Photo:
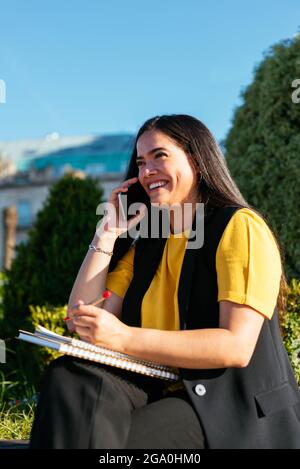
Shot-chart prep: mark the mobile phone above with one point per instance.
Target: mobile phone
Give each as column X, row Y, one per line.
column 134, row 194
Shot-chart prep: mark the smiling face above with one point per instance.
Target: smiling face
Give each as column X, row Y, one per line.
column 165, row 171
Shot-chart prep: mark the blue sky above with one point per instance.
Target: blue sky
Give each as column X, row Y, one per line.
column 94, row 66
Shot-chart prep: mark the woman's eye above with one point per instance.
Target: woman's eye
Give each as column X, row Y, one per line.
column 140, row 163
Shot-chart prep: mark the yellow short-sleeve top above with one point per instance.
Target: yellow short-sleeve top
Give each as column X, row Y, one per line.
column 248, row 269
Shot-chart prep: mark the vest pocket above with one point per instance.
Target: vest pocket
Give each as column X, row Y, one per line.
column 276, row 399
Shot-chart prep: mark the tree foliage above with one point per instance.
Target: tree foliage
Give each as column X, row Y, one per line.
column 46, row 265
column 263, row 146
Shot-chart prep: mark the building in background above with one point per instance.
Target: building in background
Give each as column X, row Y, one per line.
column 28, row 168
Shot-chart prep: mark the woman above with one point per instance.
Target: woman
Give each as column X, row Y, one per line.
column 210, row 312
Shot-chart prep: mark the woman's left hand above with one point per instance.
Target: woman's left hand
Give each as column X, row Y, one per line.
column 99, row 327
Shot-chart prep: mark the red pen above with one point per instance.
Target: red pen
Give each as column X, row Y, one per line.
column 105, row 295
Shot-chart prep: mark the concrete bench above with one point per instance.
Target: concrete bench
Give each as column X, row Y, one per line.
column 14, row 444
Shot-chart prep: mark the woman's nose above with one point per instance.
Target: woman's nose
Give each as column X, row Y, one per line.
column 150, row 170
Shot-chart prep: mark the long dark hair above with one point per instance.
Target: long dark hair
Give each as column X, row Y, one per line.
column 216, row 187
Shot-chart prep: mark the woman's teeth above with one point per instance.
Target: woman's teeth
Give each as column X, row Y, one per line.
column 154, row 185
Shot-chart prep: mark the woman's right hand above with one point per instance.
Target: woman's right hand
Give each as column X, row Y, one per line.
column 112, row 224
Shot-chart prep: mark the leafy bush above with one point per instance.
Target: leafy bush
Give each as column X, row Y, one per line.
column 290, row 324
column 16, row 421
column 53, row 319
column 26, row 363
column 263, row 145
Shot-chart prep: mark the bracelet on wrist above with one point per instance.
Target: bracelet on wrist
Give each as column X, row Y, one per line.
column 94, row 248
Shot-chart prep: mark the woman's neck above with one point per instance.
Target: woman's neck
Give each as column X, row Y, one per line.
column 181, row 217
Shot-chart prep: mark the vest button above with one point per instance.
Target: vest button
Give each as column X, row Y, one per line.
column 200, row 390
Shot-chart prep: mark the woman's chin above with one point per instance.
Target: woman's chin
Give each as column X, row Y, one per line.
column 156, row 199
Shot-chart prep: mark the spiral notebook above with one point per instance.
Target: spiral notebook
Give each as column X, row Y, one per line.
column 81, row 349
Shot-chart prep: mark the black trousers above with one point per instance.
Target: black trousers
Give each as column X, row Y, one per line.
column 88, row 405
